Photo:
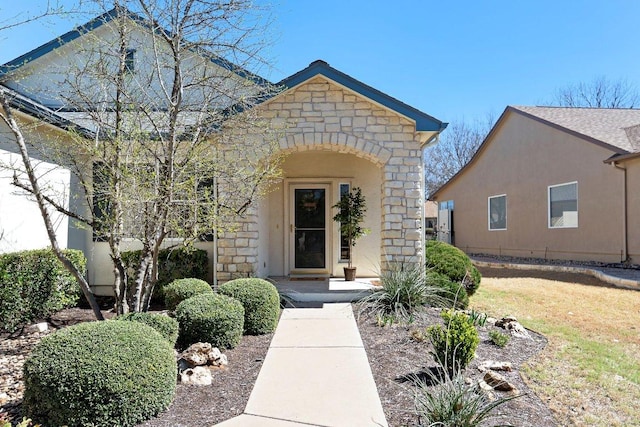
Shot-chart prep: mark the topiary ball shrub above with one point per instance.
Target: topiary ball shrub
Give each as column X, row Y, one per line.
column 454, row 346
column 165, row 325
column 182, row 289
column 261, row 303
column 452, row 294
column 105, row 373
column 446, row 259
column 213, row 318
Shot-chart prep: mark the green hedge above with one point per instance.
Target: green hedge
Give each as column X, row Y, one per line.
column 453, row 263
column 213, row 318
column 182, row 289
column 174, row 263
column 261, row 303
column 106, row 373
column 165, row 325
column 451, row 293
column 34, row 285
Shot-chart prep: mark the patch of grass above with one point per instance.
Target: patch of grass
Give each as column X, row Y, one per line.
column 589, row 371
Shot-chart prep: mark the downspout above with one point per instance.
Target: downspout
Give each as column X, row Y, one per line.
column 625, row 231
column 215, row 234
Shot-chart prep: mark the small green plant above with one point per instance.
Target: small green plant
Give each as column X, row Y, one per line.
column 165, row 325
column 260, row 301
column 106, row 373
column 213, row 318
column 351, row 210
column 454, row 345
column 403, row 291
column 417, row 335
column 451, row 402
column 182, row 289
column 478, row 318
column 498, row 338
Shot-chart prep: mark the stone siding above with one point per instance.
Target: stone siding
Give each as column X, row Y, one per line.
column 321, row 115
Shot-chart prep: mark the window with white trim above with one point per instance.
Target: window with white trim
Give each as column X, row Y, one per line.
column 563, row 205
column 497, row 212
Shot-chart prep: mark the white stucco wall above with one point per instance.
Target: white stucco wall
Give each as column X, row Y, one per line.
column 21, row 224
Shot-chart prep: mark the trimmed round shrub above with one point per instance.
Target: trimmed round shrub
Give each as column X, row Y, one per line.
column 454, row 346
column 213, row 318
column 446, row 259
column 99, row 374
column 165, row 325
column 182, row 289
column 452, row 294
column 261, row 303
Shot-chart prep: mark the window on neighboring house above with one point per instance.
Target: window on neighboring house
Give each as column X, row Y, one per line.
column 345, row 249
column 448, row 204
column 563, row 205
column 129, row 61
column 498, row 212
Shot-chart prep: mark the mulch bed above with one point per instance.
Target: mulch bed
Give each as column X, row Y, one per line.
column 394, row 356
column 391, row 351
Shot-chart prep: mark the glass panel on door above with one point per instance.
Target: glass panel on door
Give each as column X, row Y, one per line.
column 310, row 227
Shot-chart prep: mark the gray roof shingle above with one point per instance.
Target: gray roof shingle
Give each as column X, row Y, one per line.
column 619, row 128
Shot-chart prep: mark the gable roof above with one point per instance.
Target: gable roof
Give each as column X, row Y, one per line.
column 424, row 122
column 104, row 19
column 616, row 129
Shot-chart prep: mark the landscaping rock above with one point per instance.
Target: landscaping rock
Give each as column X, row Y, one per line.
column 512, row 325
column 197, row 354
column 494, row 366
column 497, row 381
column 199, row 375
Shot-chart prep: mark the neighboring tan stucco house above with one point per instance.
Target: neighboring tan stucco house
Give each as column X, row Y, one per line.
column 339, row 134
column 553, row 183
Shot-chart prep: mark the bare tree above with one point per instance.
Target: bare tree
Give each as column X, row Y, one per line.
column 601, row 92
column 165, row 90
column 456, row 147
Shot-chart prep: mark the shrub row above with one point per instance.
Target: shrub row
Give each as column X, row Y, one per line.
column 123, row 371
column 249, row 306
column 34, row 284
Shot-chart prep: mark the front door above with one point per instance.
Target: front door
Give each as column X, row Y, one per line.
column 309, row 228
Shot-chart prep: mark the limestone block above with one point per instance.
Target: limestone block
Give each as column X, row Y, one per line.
column 199, row 375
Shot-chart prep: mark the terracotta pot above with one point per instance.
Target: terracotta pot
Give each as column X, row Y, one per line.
column 349, row 274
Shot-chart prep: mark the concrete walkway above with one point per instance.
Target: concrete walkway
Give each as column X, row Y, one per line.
column 316, row 373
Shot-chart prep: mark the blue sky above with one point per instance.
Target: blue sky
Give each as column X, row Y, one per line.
column 450, row 59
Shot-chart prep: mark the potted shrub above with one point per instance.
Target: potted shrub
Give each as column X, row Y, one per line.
column 351, row 210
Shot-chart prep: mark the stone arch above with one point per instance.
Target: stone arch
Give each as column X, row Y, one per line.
column 336, row 141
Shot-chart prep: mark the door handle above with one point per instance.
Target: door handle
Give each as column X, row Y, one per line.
column 291, row 225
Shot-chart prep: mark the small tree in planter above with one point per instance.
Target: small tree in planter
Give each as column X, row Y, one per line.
column 351, row 210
